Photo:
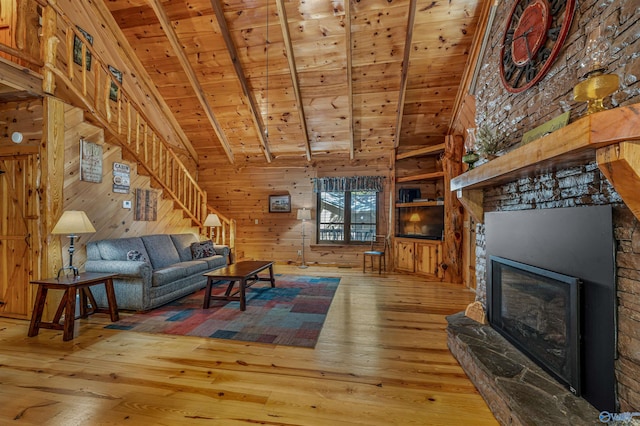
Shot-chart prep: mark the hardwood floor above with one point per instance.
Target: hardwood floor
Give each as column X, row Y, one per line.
column 381, row 359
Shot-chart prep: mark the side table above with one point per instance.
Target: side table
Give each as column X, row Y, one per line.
column 70, row 285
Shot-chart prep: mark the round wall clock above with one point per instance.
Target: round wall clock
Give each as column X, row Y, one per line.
column 535, row 32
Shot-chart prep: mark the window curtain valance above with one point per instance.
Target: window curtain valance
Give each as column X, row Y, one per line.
column 351, row 183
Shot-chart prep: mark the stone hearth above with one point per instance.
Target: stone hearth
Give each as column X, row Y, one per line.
column 517, row 391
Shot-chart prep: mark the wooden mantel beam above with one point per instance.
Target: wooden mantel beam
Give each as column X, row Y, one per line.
column 191, row 75
column 284, row 24
column 611, row 137
column 233, row 53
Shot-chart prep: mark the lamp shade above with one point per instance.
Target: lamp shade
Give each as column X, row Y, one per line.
column 73, row 222
column 304, row 214
column 415, row 217
column 212, row 220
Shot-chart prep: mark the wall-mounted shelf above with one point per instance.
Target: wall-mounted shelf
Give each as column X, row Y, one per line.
column 611, row 137
column 428, row 150
column 420, row 204
column 423, row 176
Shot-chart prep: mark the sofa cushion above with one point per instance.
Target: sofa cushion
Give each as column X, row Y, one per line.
column 161, row 251
column 194, row 266
column 166, row 275
column 183, row 245
column 117, row 249
column 203, row 249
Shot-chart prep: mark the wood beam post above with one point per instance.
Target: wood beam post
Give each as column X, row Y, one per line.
column 472, row 200
column 51, row 189
column 620, row 163
column 454, row 212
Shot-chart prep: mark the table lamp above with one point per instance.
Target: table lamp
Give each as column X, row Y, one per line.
column 212, row 221
column 415, row 218
column 303, row 215
column 72, row 222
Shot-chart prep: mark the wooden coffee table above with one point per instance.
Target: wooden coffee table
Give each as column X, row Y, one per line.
column 245, row 273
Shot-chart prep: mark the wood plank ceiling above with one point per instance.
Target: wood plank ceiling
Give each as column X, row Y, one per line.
column 262, row 80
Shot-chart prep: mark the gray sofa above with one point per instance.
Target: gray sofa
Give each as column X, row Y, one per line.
column 152, row 269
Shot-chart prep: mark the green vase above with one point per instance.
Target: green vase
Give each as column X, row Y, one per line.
column 470, row 158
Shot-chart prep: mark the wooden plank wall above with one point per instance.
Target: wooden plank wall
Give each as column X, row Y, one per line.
column 102, row 205
column 243, row 194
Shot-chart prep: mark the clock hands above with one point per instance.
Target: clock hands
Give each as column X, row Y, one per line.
column 524, row 34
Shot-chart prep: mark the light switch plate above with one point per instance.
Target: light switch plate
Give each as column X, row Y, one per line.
column 126, row 204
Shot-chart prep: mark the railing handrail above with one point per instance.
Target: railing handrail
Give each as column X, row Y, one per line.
column 115, row 110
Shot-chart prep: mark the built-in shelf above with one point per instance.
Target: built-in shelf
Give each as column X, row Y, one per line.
column 420, row 204
column 423, row 176
column 610, row 137
column 427, row 150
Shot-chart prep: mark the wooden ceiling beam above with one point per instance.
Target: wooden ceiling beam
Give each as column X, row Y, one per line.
column 405, row 70
column 191, row 75
column 233, row 53
column 349, row 45
column 284, row 24
column 126, row 52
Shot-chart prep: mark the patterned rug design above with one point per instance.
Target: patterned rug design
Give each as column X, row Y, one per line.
column 290, row 314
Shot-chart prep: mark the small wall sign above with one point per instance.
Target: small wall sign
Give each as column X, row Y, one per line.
column 146, row 205
column 121, row 178
column 546, row 128
column 90, row 161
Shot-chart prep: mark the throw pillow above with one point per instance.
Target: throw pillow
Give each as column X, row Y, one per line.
column 202, row 249
column 135, row 255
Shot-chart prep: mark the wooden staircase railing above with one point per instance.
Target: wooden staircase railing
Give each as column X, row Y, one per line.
column 95, row 88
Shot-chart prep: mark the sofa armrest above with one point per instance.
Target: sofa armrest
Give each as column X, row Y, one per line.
column 125, row 268
column 222, row 250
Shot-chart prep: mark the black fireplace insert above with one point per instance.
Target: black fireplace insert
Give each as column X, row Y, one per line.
column 538, row 311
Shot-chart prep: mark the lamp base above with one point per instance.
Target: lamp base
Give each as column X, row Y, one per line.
column 303, row 266
column 594, row 89
column 69, row 268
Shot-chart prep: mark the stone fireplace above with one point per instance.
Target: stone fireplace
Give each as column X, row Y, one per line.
column 550, row 186
column 570, row 245
column 562, row 250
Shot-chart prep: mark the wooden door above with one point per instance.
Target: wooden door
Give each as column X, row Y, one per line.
column 17, row 195
column 429, row 259
column 404, row 256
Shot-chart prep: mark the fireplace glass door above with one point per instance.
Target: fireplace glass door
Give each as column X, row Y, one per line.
column 538, row 311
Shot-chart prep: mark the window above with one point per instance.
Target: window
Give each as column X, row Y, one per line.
column 347, row 216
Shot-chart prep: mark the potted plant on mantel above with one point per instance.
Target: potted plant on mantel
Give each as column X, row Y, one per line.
column 489, row 142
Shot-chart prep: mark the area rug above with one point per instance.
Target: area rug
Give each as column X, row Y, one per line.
column 292, row 313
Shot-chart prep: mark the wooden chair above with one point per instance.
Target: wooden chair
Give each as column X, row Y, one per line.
column 379, row 244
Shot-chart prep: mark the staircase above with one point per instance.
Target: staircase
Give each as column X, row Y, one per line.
column 107, row 104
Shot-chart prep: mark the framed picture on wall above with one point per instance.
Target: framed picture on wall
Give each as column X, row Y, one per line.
column 77, row 48
column 279, row 203
column 113, row 90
